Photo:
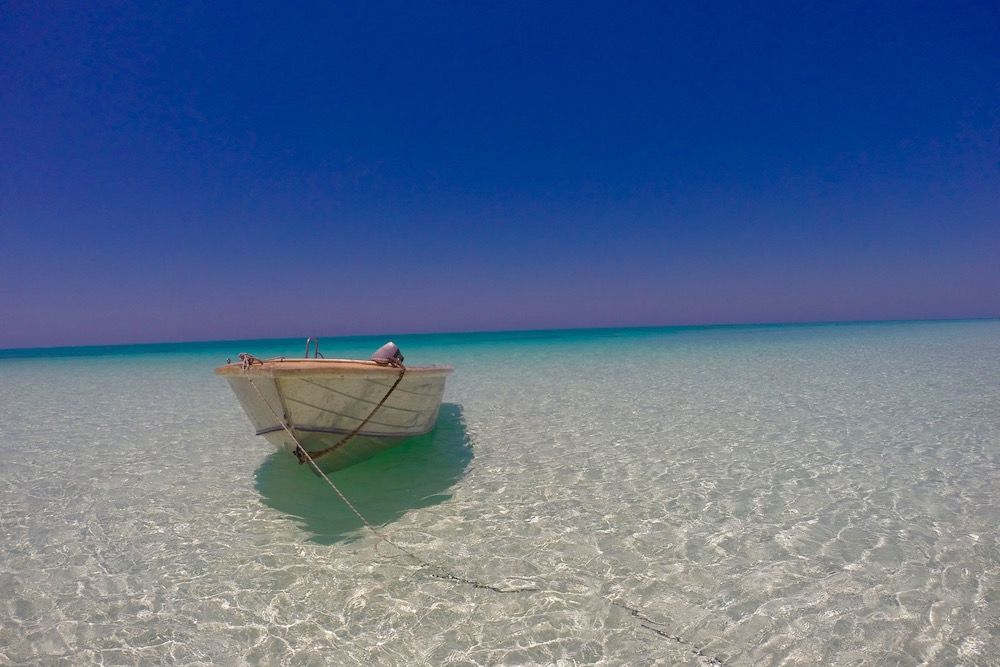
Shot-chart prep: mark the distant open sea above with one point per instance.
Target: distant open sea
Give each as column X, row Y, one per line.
column 743, row 495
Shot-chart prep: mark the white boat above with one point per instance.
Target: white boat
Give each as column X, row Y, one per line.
column 341, row 411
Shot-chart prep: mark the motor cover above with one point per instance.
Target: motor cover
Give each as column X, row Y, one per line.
column 388, row 355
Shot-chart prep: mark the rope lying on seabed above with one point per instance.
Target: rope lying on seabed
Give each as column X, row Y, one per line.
column 248, row 360
column 645, row 620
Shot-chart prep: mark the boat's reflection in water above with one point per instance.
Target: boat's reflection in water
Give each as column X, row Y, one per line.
column 418, row 472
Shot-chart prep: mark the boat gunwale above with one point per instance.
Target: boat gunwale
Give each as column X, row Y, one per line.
column 302, row 366
column 400, row 435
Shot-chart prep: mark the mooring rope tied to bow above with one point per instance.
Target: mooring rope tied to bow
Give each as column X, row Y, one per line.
column 350, row 436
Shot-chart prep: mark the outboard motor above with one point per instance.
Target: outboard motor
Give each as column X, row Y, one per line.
column 388, row 355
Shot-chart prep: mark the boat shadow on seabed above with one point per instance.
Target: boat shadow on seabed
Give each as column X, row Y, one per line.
column 418, row 472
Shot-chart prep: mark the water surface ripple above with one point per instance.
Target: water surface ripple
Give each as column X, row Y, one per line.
column 744, row 495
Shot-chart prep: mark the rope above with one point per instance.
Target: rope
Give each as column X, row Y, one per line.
column 350, row 436
column 248, row 360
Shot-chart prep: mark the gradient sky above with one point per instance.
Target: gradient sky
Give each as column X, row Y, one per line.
column 254, row 170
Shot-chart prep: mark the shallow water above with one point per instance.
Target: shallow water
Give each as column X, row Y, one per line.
column 735, row 495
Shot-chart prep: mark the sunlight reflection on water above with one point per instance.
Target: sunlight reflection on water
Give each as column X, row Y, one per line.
column 756, row 495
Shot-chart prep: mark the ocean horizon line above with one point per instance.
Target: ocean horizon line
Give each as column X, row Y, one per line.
column 62, row 350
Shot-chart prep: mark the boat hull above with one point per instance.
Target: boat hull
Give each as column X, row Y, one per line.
column 323, row 402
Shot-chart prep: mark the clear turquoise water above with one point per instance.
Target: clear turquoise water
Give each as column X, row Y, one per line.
column 737, row 495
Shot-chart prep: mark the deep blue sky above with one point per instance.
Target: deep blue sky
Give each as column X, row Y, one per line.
column 243, row 171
